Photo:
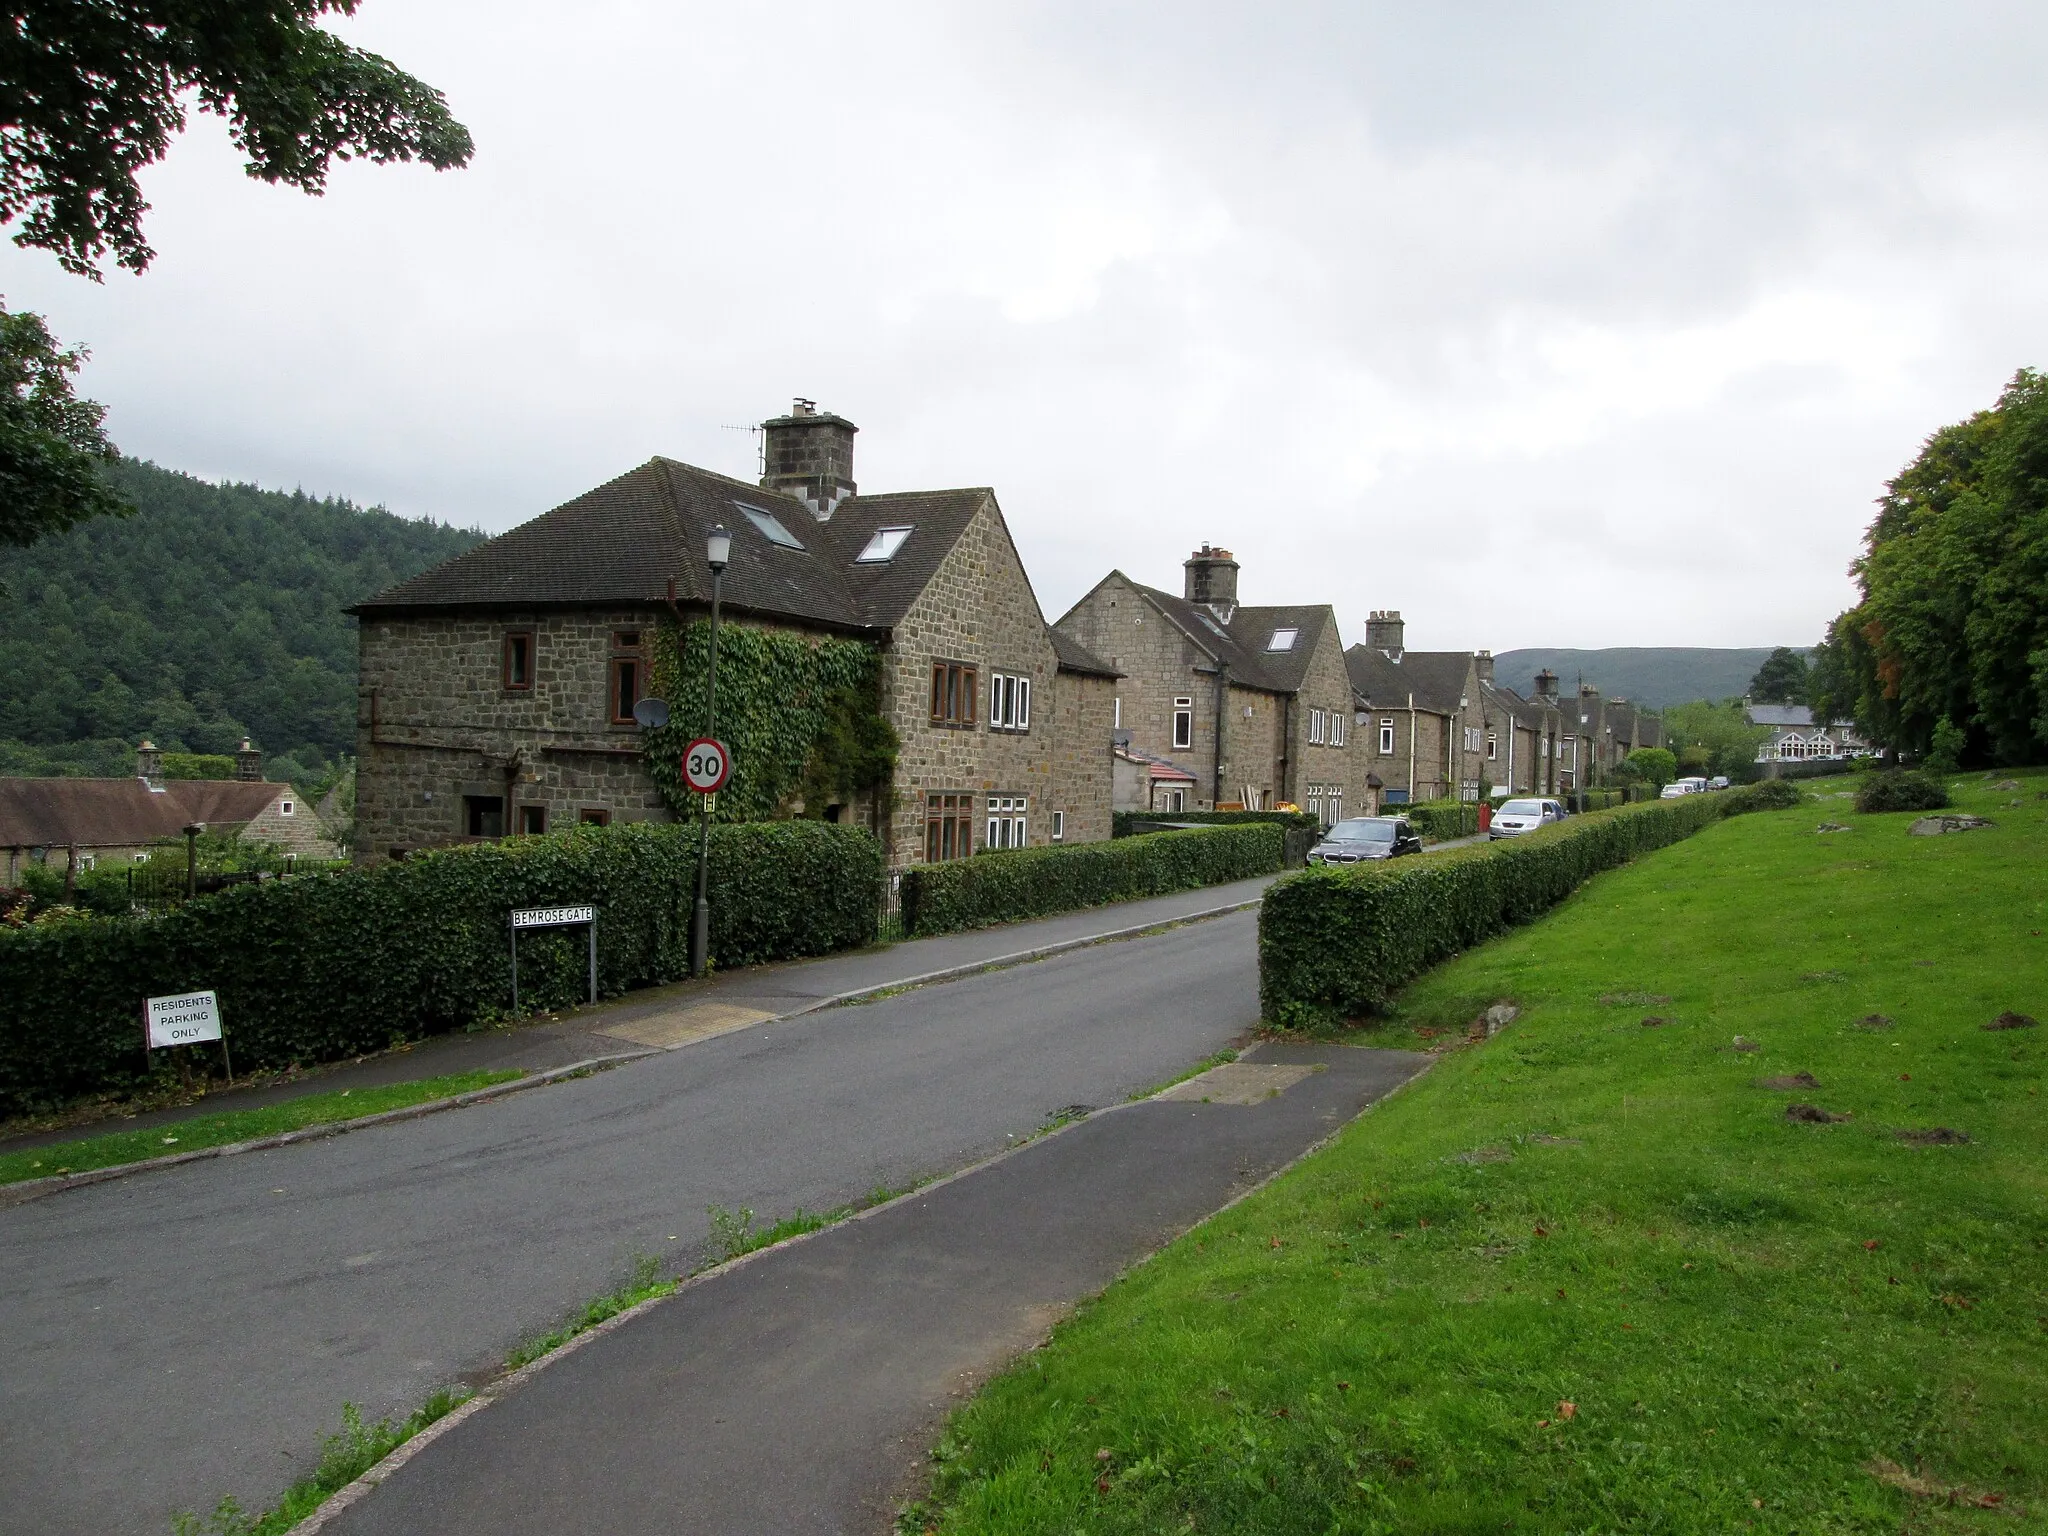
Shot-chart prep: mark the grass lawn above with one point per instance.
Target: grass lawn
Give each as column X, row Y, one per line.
column 1588, row 1276
column 237, row 1125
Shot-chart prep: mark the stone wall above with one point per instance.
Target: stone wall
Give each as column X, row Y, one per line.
column 979, row 609
column 435, row 723
column 1158, row 662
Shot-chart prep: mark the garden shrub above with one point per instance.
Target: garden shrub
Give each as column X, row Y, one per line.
column 312, row 968
column 1900, row 790
column 1009, row 886
column 1764, row 795
column 1121, row 822
column 1336, row 942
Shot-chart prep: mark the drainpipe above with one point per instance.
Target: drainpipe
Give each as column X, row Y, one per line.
column 1411, row 749
column 1222, row 675
column 1286, row 747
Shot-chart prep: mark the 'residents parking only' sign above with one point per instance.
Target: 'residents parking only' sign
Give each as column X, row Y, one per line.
column 184, row 1020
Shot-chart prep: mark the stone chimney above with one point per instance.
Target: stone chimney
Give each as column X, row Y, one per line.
column 1483, row 661
column 149, row 761
column 1546, row 685
column 248, row 763
column 1384, row 631
column 1211, row 580
column 808, row 454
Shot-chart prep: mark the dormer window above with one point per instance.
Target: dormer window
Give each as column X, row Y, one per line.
column 1282, row 640
column 883, row 546
column 770, row 526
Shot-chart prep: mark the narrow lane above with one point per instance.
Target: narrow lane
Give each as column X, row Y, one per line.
column 178, row 1336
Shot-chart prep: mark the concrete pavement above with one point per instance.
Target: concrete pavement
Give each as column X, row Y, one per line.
column 798, row 1392
column 192, row 1332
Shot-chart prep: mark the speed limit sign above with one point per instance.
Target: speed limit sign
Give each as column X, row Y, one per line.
column 707, row 764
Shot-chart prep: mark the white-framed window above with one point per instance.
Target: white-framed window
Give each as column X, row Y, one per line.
column 1318, row 726
column 87, row 860
column 1180, row 800
column 1005, row 821
column 1282, row 640
column 1009, row 702
column 1333, row 803
column 1059, row 826
column 1337, row 724
column 1314, row 796
column 284, row 808
column 1116, row 712
column 139, row 858
column 1492, row 746
column 1183, row 724
column 1386, row 738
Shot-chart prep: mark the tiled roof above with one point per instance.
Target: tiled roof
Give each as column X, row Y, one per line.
column 622, row 543
column 118, row 813
column 1242, row 644
column 1436, row 678
column 1780, row 714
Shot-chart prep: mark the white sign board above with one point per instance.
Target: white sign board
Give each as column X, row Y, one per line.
column 552, row 917
column 183, row 1020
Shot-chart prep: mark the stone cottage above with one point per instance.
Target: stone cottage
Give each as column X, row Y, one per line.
column 497, row 690
column 1251, row 704
column 117, row 821
column 1427, row 715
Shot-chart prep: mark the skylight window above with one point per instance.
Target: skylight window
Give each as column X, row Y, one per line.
column 770, row 526
column 1283, row 640
column 883, row 546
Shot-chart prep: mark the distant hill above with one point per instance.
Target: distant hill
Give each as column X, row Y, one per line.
column 212, row 613
column 1651, row 675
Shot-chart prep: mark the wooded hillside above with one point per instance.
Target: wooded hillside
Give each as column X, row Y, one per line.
column 213, row 613
column 1652, row 676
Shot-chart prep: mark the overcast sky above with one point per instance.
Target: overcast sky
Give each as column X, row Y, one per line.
column 1560, row 325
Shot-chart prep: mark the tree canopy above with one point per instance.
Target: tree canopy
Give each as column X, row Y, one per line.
column 1712, row 738
column 1953, row 622
column 52, row 451
column 213, row 613
column 1781, row 679
column 91, row 92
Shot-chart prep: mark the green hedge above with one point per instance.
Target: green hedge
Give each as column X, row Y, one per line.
column 314, row 968
column 1440, row 818
column 1901, row 790
column 1334, row 943
column 1120, row 822
column 1024, row 883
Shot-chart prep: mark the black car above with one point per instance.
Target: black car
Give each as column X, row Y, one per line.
column 1365, row 837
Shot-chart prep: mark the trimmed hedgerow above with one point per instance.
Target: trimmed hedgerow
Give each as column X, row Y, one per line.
column 316, row 967
column 1008, row 887
column 1335, row 943
column 1121, row 822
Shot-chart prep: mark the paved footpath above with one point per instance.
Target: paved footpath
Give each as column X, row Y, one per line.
column 186, row 1333
column 799, row 1392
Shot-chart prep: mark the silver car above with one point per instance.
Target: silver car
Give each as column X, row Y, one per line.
column 1518, row 816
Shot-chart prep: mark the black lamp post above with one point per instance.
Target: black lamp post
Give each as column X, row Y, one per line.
column 717, row 549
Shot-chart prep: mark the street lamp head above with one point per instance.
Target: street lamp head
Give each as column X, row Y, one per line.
column 717, row 547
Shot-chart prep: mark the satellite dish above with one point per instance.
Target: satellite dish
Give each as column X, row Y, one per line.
column 651, row 713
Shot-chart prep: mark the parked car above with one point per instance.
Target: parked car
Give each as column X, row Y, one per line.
column 1678, row 789
column 1523, row 815
column 1365, row 837
column 1719, row 781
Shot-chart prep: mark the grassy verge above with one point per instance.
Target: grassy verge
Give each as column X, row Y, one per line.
column 1590, row 1275
column 221, row 1130
column 344, row 1457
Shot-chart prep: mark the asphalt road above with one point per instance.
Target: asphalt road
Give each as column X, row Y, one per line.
column 800, row 1392
column 177, row 1336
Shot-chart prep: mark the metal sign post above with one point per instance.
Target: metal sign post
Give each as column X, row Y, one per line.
column 553, row 917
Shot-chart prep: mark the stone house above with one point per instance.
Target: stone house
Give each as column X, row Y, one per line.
column 1144, row 783
column 1427, row 715
column 1253, row 704
column 1796, row 738
column 117, row 821
column 497, row 690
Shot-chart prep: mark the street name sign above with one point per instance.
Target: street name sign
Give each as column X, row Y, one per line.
column 552, row 917
column 183, row 1020
column 707, row 764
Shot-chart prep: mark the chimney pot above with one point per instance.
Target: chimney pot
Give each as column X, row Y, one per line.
column 1385, row 632
column 149, row 761
column 248, row 763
